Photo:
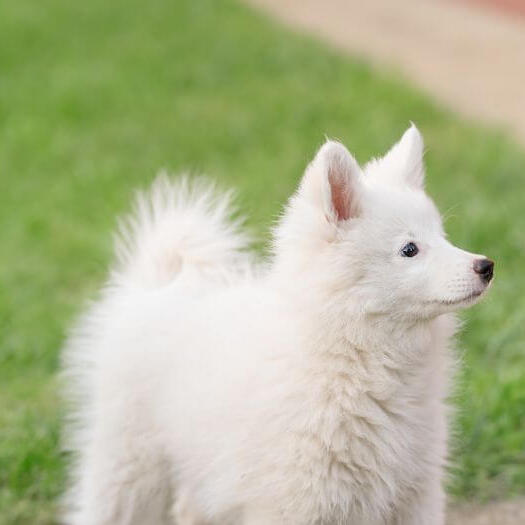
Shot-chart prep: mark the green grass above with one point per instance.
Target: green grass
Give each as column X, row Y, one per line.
column 95, row 97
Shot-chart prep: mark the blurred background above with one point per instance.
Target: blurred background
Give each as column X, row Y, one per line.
column 96, row 97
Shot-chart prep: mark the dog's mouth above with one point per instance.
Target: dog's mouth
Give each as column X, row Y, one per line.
column 467, row 299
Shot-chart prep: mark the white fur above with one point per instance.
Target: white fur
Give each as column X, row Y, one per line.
column 310, row 391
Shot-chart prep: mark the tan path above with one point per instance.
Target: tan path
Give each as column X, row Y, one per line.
column 506, row 513
column 469, row 57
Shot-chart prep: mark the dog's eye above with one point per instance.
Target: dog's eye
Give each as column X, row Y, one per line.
column 409, row 250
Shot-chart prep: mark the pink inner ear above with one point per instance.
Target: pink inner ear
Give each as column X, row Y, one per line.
column 340, row 189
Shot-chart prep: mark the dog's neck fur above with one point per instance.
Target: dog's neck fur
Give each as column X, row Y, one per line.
column 344, row 323
column 395, row 358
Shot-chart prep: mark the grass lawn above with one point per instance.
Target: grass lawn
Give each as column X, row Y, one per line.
column 96, row 96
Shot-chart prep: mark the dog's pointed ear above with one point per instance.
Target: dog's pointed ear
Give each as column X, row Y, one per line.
column 331, row 182
column 403, row 164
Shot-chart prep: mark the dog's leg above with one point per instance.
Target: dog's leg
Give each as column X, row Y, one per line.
column 427, row 509
column 122, row 480
column 261, row 516
column 183, row 511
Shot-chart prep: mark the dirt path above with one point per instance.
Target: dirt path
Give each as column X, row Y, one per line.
column 469, row 57
column 506, row 513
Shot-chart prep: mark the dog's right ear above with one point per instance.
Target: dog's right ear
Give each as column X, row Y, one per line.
column 332, row 182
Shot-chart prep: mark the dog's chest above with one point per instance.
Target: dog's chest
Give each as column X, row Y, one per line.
column 357, row 442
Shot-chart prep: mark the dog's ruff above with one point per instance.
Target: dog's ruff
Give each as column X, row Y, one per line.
column 306, row 391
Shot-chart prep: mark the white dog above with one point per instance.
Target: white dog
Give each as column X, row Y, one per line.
column 310, row 391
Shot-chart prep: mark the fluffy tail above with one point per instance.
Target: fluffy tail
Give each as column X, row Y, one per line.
column 180, row 228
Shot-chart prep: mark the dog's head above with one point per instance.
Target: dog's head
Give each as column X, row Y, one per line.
column 374, row 236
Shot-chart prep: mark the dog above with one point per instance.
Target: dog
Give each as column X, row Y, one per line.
column 209, row 389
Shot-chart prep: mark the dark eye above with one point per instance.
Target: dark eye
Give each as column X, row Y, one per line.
column 409, row 250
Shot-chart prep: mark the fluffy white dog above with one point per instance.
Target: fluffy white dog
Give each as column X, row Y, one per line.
column 310, row 391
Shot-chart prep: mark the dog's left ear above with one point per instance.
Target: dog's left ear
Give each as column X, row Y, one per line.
column 332, row 182
column 403, row 164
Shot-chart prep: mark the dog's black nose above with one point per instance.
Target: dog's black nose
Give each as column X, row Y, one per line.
column 485, row 269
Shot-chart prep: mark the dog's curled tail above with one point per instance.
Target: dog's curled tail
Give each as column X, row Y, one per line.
column 180, row 228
